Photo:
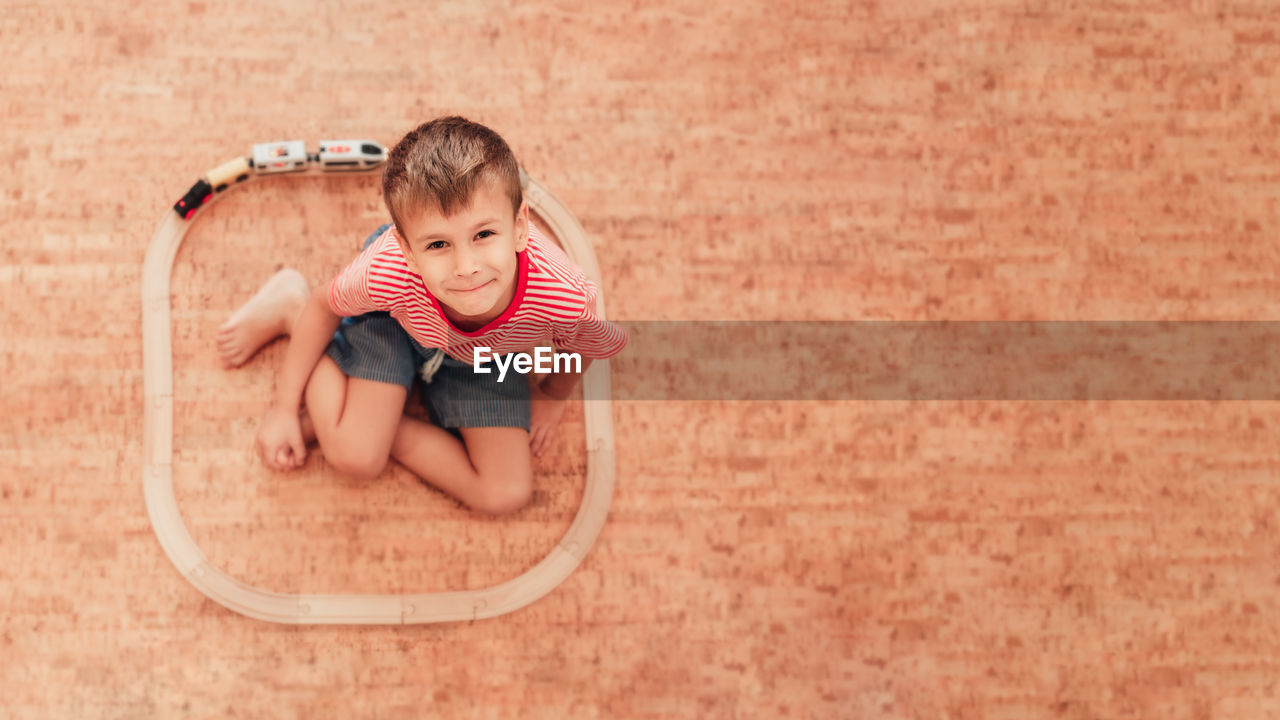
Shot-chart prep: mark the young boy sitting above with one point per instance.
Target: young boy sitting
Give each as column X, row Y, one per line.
column 460, row 267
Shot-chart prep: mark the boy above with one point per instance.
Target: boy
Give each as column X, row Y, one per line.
column 460, row 267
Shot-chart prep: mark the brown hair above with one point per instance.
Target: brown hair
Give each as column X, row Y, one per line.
column 440, row 164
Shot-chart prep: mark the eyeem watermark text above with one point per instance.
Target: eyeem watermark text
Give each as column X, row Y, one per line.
column 543, row 360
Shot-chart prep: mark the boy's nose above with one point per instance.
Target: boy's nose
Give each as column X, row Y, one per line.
column 464, row 263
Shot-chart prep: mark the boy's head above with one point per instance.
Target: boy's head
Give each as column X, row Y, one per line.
column 439, row 164
column 453, row 190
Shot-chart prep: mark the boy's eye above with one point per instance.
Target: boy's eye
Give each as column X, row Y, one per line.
column 485, row 234
column 436, row 245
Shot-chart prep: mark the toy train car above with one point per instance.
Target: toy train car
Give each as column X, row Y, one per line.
column 337, row 155
column 198, row 195
column 214, row 181
column 281, row 157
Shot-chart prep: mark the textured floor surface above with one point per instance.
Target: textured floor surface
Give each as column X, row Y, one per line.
column 912, row 160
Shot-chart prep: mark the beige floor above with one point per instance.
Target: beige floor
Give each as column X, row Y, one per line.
column 823, row 161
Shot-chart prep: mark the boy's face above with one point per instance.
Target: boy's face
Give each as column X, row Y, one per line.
column 468, row 260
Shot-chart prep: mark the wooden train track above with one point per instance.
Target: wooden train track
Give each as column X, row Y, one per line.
column 264, row 604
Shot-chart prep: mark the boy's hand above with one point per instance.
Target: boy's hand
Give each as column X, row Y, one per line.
column 279, row 440
column 545, row 412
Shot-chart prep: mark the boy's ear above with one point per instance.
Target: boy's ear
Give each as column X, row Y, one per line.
column 404, row 249
column 522, row 227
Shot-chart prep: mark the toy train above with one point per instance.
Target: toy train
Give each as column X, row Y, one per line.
column 281, row 157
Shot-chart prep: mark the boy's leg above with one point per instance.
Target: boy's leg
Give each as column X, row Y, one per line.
column 266, row 316
column 269, row 314
column 354, row 419
column 489, row 470
column 356, row 393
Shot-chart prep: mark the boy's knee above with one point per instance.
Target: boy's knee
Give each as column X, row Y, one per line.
column 356, row 461
column 505, row 496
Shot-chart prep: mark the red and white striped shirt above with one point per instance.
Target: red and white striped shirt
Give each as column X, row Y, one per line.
column 553, row 301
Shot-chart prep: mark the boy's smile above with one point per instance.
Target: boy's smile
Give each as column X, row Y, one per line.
column 468, row 261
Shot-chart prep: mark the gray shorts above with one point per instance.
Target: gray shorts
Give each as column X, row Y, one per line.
column 375, row 347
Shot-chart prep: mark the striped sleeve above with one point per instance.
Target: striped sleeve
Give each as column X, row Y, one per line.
column 349, row 290
column 588, row 335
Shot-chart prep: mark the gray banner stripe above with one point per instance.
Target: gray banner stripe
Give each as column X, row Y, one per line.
column 949, row 360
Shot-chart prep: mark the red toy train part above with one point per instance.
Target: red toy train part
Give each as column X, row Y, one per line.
column 198, row 195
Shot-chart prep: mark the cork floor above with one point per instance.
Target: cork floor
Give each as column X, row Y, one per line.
column 749, row 161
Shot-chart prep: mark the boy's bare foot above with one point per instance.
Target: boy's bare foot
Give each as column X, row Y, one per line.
column 268, row 315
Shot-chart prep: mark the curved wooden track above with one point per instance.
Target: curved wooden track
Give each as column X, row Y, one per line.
column 187, row 557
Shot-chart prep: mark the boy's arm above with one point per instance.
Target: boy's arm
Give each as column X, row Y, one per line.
column 548, row 399
column 279, row 441
column 311, row 335
column 588, row 334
